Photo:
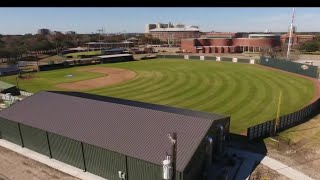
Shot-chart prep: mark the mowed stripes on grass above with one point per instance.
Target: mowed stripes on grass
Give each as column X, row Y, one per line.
column 248, row 93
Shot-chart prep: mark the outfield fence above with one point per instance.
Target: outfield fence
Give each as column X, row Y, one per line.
column 214, row 58
column 285, row 122
column 298, row 68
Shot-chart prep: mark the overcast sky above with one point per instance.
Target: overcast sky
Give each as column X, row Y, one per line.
column 87, row 20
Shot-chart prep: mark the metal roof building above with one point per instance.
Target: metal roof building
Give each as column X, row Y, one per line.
column 9, row 70
column 8, row 88
column 104, row 135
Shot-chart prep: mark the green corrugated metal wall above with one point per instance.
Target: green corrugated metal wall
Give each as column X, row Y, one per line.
column 10, row 131
column 66, row 150
column 142, row 170
column 196, row 165
column 103, row 162
column 35, row 139
column 98, row 161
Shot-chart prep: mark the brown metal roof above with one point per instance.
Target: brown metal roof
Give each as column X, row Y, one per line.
column 131, row 128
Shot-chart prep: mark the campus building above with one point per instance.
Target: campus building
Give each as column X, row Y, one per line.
column 172, row 33
column 230, row 43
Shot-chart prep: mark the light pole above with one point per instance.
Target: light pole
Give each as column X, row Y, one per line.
column 125, row 39
column 290, row 35
column 100, row 31
column 173, row 140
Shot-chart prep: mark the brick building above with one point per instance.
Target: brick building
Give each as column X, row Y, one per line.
column 296, row 38
column 230, row 43
column 172, row 33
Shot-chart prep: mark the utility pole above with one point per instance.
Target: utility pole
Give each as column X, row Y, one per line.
column 173, row 140
column 125, row 39
column 290, row 35
column 100, row 31
column 57, row 47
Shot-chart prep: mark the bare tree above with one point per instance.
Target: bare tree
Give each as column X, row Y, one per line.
column 279, row 52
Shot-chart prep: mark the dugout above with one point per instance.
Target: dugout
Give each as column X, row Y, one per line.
column 8, row 88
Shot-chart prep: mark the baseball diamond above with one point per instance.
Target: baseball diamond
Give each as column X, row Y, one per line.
column 246, row 92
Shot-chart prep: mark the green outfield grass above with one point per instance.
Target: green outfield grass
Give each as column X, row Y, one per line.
column 77, row 54
column 47, row 80
column 247, row 92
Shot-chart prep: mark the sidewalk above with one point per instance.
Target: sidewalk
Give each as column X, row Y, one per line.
column 273, row 164
column 63, row 167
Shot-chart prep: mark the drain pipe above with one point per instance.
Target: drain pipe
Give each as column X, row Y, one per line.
column 209, row 151
column 220, row 139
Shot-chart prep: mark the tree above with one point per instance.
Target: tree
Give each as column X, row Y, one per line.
column 279, row 52
column 42, row 46
column 310, row 46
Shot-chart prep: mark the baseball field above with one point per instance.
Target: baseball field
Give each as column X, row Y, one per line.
column 248, row 93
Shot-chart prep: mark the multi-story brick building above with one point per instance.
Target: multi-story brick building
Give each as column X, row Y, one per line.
column 230, row 43
column 172, row 34
column 296, row 38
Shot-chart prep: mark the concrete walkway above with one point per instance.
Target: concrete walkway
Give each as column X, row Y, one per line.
column 283, row 169
column 273, row 164
column 63, row 167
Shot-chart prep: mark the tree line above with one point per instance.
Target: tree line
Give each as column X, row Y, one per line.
column 311, row 46
column 14, row 46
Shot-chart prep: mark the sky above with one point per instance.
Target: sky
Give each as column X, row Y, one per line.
column 89, row 20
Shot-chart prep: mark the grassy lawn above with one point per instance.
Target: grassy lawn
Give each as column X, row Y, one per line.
column 308, row 132
column 246, row 92
column 77, row 54
column 47, row 80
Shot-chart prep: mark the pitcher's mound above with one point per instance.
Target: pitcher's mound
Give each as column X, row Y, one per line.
column 114, row 76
